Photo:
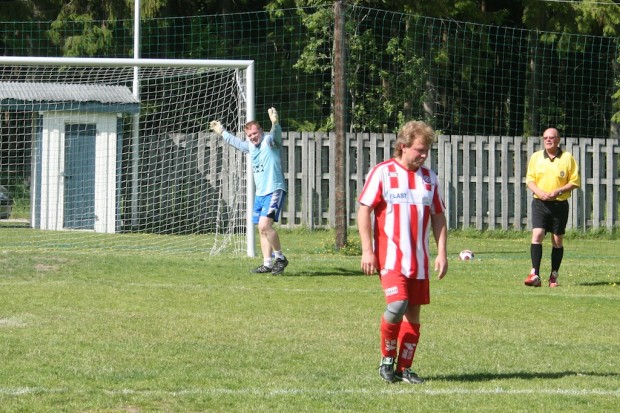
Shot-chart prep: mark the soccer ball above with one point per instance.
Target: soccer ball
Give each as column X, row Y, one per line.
column 466, row 255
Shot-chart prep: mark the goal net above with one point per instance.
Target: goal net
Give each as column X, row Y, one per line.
column 117, row 153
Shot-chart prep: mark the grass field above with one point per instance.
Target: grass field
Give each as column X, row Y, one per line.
column 114, row 331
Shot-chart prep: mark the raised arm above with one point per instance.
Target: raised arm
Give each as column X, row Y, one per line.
column 229, row 138
column 276, row 129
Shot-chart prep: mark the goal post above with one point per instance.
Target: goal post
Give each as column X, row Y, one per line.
column 122, row 146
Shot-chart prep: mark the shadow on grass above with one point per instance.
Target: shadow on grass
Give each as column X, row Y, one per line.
column 14, row 224
column 599, row 283
column 498, row 252
column 518, row 375
column 332, row 272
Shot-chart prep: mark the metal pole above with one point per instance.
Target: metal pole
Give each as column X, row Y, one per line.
column 249, row 174
column 135, row 120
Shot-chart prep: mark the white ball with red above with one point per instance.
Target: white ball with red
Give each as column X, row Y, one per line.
column 466, row 255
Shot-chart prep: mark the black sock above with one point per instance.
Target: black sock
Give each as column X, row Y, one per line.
column 536, row 251
column 556, row 258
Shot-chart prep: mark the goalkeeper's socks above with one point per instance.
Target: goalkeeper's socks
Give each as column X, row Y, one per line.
column 278, row 255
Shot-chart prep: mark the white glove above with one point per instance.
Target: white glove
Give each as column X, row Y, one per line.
column 216, row 126
column 273, row 115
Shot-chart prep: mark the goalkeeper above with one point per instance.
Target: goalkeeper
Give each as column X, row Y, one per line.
column 269, row 181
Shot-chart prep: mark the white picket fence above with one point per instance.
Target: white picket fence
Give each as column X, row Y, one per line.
column 483, row 179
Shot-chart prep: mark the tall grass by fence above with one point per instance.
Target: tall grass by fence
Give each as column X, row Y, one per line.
column 483, row 179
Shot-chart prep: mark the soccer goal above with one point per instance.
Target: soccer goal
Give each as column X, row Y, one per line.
column 117, row 153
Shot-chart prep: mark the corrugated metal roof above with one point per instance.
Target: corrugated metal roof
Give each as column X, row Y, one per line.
column 65, row 92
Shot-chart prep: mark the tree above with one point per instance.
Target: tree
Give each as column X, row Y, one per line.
column 28, row 10
column 555, row 27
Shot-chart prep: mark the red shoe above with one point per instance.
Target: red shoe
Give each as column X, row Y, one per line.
column 532, row 280
column 553, row 279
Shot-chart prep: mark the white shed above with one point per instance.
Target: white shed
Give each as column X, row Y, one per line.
column 77, row 147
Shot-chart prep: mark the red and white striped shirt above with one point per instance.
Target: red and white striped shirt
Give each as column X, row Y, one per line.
column 403, row 202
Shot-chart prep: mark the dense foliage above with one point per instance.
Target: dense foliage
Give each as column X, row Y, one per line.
column 480, row 67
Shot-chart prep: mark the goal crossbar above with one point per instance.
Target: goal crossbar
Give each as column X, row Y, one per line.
column 127, row 62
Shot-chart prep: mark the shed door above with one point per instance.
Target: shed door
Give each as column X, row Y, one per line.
column 79, row 188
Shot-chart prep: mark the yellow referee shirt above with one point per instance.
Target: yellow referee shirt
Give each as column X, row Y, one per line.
column 550, row 175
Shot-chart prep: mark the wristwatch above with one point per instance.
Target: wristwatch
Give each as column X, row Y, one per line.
column 561, row 192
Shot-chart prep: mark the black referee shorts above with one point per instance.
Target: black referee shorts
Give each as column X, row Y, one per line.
column 550, row 215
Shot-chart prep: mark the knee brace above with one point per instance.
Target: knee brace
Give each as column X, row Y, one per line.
column 395, row 311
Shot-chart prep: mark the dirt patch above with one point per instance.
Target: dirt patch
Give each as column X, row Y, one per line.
column 46, row 267
column 10, row 322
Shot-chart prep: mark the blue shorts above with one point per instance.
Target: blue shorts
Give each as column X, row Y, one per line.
column 268, row 206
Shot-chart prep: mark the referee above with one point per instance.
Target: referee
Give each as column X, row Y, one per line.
column 551, row 175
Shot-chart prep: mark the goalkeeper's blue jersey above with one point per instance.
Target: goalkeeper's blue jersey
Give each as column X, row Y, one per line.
column 266, row 164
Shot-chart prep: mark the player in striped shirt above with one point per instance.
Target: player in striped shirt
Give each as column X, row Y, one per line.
column 404, row 196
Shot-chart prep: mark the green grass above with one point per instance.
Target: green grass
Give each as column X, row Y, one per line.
column 112, row 331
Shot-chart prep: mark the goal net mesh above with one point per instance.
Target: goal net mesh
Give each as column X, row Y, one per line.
column 87, row 164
